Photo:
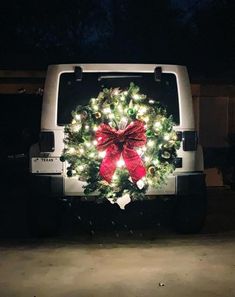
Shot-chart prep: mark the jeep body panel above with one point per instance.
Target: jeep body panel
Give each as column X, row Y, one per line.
column 191, row 160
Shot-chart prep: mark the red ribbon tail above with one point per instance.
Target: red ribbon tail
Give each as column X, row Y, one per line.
column 109, row 163
column 134, row 164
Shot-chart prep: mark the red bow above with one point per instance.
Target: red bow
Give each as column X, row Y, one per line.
column 121, row 142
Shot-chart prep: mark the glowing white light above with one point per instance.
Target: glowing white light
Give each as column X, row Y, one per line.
column 150, row 182
column 120, row 163
column 151, row 101
column 140, row 184
column 157, row 125
column 111, row 116
column 142, row 110
column 71, row 150
column 146, row 158
column 139, row 151
column 88, row 144
column 102, row 154
column 81, row 150
column 95, row 142
column 76, row 128
column 116, row 92
column 87, row 127
column 124, row 119
column 81, row 167
column 92, row 155
column 150, row 143
column 125, row 93
column 95, row 128
column 120, row 108
column 94, row 103
column 107, row 110
column 115, row 176
column 155, row 162
column 146, row 119
column 136, row 96
column 123, row 123
column 78, row 117
column 167, row 137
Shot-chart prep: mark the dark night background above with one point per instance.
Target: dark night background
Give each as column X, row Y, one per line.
column 199, row 34
column 34, row 34
column 100, row 250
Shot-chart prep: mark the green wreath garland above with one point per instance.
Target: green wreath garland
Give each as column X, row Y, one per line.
column 118, row 108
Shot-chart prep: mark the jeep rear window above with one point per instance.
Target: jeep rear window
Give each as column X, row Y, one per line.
column 73, row 93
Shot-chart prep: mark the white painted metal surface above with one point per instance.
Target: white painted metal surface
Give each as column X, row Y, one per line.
column 49, row 118
column 46, row 165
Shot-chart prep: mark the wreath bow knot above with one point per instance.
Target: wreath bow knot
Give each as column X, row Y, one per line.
column 119, row 143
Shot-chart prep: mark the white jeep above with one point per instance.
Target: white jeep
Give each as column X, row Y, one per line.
column 68, row 85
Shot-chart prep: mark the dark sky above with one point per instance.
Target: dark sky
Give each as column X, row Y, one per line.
column 199, row 34
column 190, row 4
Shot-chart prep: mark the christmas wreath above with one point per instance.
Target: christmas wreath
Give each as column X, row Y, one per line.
column 120, row 144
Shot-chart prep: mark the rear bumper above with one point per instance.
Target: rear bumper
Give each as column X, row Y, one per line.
column 47, row 185
column 190, row 183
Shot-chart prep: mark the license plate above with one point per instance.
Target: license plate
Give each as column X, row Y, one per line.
column 46, row 165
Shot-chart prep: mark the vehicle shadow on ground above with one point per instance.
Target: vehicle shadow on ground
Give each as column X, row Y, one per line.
column 142, row 220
